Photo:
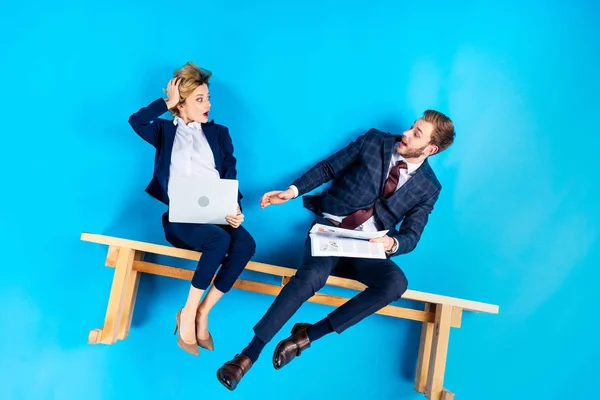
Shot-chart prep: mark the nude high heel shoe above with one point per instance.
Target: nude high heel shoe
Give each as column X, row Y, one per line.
column 207, row 344
column 189, row 347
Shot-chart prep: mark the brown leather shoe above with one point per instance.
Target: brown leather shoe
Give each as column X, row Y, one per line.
column 291, row 347
column 231, row 373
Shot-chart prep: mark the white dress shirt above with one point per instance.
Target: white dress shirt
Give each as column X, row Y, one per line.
column 192, row 155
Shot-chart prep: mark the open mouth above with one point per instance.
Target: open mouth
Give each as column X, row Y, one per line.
column 402, row 144
column 205, row 114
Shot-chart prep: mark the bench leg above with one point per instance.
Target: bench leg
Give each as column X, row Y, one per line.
column 439, row 351
column 446, row 395
column 424, row 352
column 131, row 288
column 116, row 301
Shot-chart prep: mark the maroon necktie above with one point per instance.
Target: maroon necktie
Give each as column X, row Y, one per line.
column 359, row 217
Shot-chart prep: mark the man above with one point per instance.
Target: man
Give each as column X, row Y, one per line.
column 379, row 181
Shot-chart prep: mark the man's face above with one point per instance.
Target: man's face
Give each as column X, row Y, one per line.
column 416, row 140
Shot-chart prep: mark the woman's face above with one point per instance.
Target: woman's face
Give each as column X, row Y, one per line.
column 197, row 106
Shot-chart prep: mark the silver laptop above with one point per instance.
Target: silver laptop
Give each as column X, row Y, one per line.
column 199, row 200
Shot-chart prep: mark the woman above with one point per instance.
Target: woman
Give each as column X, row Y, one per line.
column 190, row 145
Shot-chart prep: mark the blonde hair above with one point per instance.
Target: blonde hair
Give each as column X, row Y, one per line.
column 443, row 129
column 191, row 76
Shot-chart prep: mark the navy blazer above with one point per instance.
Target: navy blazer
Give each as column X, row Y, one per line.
column 160, row 133
column 359, row 172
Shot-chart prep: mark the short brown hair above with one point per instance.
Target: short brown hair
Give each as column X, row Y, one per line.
column 191, row 76
column 443, row 129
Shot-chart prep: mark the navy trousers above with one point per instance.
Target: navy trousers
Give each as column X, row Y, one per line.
column 385, row 283
column 219, row 244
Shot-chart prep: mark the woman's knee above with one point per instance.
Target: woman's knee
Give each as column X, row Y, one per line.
column 242, row 242
column 218, row 240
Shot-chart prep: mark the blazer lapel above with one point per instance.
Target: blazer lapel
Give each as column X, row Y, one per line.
column 168, row 140
column 210, row 131
column 164, row 157
column 415, row 180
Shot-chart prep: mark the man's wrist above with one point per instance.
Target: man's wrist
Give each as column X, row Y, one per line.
column 294, row 189
column 394, row 246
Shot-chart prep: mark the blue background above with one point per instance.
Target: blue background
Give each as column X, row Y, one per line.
column 515, row 224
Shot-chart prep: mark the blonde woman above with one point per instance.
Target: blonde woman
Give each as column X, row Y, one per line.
column 190, row 145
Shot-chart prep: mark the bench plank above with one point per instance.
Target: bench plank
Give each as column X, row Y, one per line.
column 259, row 287
column 285, row 272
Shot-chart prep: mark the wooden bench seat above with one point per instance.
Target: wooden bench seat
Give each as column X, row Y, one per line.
column 439, row 314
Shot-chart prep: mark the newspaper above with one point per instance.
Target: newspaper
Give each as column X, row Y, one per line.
column 327, row 241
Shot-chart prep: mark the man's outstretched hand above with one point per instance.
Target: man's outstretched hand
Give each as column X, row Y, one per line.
column 276, row 197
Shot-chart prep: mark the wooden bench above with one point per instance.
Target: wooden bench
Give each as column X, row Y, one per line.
column 439, row 314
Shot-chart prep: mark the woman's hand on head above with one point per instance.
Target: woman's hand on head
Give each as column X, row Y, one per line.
column 173, row 93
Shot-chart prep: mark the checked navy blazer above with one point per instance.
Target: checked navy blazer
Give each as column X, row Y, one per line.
column 359, row 172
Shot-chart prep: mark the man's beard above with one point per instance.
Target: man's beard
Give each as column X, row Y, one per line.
column 413, row 153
